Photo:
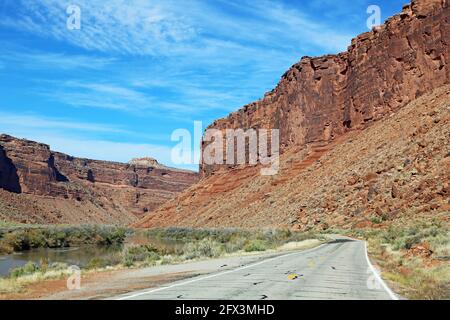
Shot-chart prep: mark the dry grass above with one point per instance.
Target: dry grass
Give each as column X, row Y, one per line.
column 300, row 245
column 416, row 274
column 18, row 284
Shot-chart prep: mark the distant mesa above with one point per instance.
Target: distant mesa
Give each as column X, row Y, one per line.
column 38, row 185
column 145, row 162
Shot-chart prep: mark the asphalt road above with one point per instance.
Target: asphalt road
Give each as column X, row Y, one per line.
column 336, row 270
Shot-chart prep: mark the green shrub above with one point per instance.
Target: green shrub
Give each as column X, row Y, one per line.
column 255, row 245
column 6, row 248
column 205, row 248
column 235, row 244
column 28, row 269
column 420, row 280
column 35, row 239
column 95, row 263
column 214, row 242
column 43, row 265
column 139, row 253
column 24, row 238
column 168, row 259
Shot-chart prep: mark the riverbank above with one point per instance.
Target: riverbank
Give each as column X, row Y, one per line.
column 158, row 247
column 18, row 238
column 111, row 281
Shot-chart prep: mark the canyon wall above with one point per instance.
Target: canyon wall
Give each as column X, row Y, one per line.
column 31, row 168
column 397, row 169
column 319, row 99
column 364, row 138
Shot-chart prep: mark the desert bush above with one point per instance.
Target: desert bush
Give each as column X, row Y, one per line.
column 27, row 269
column 139, row 253
column 214, row 242
column 168, row 259
column 405, row 237
column 5, row 248
column 23, row 238
column 423, row 283
column 205, row 248
column 235, row 244
column 255, row 245
column 95, row 263
column 188, row 234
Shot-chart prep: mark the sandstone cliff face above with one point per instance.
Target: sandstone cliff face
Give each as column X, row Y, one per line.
column 31, row 168
column 396, row 169
column 339, row 166
column 319, row 99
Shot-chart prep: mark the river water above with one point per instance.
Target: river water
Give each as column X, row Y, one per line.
column 79, row 256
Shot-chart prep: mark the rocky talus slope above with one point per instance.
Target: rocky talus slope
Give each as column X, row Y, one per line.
column 38, row 185
column 364, row 137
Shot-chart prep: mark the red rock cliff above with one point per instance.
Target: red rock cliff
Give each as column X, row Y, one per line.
column 319, row 99
column 31, row 168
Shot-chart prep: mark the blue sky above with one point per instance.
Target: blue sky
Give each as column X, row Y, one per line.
column 139, row 69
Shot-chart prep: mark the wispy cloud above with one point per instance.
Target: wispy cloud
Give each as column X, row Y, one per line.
column 38, row 122
column 128, row 28
column 46, row 60
column 206, row 58
column 182, row 96
column 169, row 28
column 100, row 95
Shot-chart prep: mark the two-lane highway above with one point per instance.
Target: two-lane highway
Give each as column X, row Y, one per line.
column 336, row 270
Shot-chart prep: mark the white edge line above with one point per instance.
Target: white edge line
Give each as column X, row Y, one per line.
column 392, row 295
column 216, row 274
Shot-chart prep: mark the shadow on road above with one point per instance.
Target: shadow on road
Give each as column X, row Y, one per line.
column 341, row 241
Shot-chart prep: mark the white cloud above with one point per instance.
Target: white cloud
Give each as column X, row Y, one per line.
column 34, row 124
column 185, row 97
column 166, row 27
column 206, row 57
column 137, row 27
column 31, row 121
column 97, row 95
column 48, row 60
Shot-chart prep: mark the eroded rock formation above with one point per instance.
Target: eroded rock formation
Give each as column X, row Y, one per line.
column 319, row 99
column 364, row 138
column 31, row 168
